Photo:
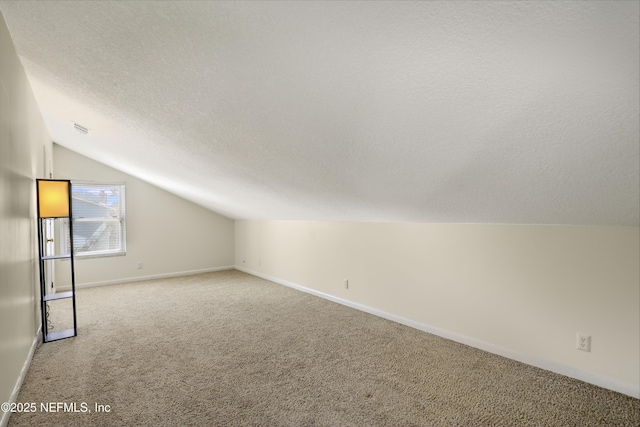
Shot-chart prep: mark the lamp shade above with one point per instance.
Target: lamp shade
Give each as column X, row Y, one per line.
column 53, row 198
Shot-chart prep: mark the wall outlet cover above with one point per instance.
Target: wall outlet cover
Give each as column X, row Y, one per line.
column 583, row 342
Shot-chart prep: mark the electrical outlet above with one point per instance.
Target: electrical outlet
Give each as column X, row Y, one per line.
column 583, row 342
column 345, row 283
column 139, row 265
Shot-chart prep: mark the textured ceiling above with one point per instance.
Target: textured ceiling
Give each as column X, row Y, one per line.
column 476, row 112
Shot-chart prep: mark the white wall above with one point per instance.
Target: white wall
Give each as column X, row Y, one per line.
column 23, row 143
column 168, row 234
column 522, row 291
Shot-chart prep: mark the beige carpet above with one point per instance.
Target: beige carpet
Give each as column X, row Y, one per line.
column 230, row 349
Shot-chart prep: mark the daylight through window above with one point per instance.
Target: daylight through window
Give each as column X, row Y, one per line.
column 98, row 211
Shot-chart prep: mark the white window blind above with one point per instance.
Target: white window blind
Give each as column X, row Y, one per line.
column 98, row 211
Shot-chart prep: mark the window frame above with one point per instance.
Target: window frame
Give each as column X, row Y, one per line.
column 122, row 219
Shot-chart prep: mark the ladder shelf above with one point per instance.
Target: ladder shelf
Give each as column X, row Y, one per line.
column 54, row 202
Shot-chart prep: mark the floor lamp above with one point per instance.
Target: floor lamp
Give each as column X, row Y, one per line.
column 54, row 202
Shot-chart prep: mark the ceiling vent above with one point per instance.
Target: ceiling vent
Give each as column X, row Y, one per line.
column 81, row 129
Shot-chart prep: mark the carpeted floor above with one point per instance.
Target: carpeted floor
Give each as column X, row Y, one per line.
column 230, row 349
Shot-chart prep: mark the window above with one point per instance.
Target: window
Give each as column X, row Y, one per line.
column 98, row 211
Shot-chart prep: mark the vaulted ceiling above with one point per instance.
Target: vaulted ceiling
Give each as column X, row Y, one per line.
column 475, row 112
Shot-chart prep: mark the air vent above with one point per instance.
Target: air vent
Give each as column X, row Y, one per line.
column 83, row 130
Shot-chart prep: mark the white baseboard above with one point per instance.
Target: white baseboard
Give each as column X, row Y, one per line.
column 142, row 278
column 569, row 371
column 4, row 420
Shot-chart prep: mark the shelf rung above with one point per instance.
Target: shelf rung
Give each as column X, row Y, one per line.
column 59, row 295
column 58, row 335
column 48, row 257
